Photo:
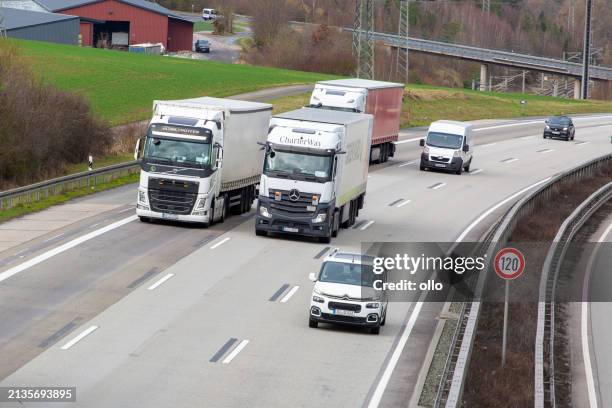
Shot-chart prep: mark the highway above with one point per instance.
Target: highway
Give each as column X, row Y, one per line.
column 595, row 319
column 159, row 315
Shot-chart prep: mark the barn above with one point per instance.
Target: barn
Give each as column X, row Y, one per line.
column 119, row 23
column 41, row 26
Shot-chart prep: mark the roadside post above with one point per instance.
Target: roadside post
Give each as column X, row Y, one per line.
column 509, row 264
column 90, row 162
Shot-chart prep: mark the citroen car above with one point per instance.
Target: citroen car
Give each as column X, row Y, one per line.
column 560, row 127
column 344, row 292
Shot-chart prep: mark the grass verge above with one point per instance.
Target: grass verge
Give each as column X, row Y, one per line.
column 121, row 86
column 424, row 104
column 101, row 162
column 45, row 203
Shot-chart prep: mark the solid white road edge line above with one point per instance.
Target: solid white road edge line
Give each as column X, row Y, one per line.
column 235, row 351
column 384, row 379
column 289, row 294
column 80, row 337
column 62, row 248
column 223, row 241
column 366, row 225
column 586, row 353
column 159, row 282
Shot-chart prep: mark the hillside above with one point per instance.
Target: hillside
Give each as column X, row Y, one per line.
column 122, row 86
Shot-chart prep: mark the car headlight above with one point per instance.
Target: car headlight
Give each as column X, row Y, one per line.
column 426, row 150
column 374, row 305
column 263, row 211
column 547, row 127
column 318, row 299
column 319, row 218
column 564, row 128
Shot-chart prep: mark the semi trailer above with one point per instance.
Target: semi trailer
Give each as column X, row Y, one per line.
column 200, row 160
column 315, row 172
column 381, row 99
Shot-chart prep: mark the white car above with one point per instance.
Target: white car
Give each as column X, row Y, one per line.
column 343, row 292
column 209, row 14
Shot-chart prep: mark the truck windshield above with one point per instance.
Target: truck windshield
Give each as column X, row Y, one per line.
column 444, row 140
column 178, row 152
column 348, row 274
column 299, row 166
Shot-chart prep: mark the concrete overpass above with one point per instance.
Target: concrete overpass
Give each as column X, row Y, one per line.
column 487, row 57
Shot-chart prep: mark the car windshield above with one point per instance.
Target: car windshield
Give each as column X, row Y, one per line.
column 181, row 152
column 203, row 42
column 444, row 140
column 559, row 121
column 348, row 274
column 297, row 165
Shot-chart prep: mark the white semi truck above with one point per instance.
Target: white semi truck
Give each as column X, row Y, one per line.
column 200, row 159
column 315, row 172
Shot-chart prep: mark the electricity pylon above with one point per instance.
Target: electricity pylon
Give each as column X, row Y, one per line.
column 363, row 44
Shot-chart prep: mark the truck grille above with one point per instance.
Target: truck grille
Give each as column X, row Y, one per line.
column 286, row 206
column 172, row 196
column 440, row 159
column 345, row 306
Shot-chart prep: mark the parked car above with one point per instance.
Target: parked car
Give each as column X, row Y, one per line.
column 560, row 127
column 202, row 46
column 209, row 14
column 344, row 293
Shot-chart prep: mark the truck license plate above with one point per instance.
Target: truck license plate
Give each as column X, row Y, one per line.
column 290, row 229
column 439, row 165
column 341, row 312
column 169, row 216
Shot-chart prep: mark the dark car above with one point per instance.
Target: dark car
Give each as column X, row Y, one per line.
column 202, row 46
column 560, row 127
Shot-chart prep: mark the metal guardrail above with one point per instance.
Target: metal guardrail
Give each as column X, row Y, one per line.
column 545, row 333
column 502, row 233
column 35, row 192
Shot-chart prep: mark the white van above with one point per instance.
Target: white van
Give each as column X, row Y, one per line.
column 448, row 146
column 209, row 14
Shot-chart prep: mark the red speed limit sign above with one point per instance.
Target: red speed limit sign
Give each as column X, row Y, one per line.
column 509, row 263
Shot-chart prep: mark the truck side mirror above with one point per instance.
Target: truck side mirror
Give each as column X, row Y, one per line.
column 137, row 149
column 219, row 159
column 422, row 142
column 312, row 276
column 466, row 148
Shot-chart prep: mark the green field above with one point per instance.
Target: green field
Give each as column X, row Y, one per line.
column 203, row 26
column 424, row 104
column 122, row 86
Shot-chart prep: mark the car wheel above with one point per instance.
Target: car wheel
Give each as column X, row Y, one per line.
column 422, row 168
column 375, row 330
column 313, row 323
column 261, row 233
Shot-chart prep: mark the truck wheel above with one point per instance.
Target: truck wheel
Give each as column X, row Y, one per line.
column 335, row 224
column 225, row 209
column 384, row 156
column 353, row 213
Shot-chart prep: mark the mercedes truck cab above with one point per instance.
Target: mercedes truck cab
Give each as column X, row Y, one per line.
column 448, row 146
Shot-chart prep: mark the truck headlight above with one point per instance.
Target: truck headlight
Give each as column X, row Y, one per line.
column 200, row 205
column 374, row 305
column 318, row 299
column 319, row 218
column 426, row 150
column 457, row 153
column 263, row 211
column 142, row 197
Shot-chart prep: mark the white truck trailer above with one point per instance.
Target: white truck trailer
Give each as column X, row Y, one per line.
column 315, row 172
column 200, row 159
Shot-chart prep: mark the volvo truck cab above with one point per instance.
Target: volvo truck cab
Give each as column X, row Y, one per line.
column 448, row 146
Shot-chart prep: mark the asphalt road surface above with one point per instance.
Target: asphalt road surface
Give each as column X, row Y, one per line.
column 158, row 315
